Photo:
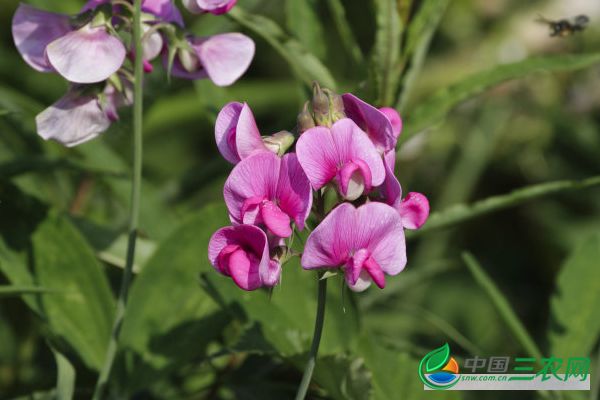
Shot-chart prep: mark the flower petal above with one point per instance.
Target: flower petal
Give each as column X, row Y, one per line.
column 255, row 176
column 379, row 229
column 375, row 123
column 331, row 242
column 73, row 119
column 317, row 155
column 223, row 260
column 394, row 118
column 276, row 220
column 271, row 275
column 213, row 6
column 413, row 210
column 351, row 181
column 362, row 283
column 294, row 193
column 354, row 265
column 225, row 57
column 87, row 55
column 247, row 135
column 226, row 122
column 375, row 272
column 163, row 9
column 244, row 270
column 390, row 190
column 33, row 30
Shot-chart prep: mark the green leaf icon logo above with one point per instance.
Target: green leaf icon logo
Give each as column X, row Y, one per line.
column 438, row 358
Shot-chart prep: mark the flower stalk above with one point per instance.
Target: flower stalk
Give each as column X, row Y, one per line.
column 111, row 351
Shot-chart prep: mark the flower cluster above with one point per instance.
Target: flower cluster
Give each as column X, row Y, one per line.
column 340, row 144
column 93, row 51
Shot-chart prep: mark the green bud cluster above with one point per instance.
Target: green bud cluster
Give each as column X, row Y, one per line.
column 327, row 108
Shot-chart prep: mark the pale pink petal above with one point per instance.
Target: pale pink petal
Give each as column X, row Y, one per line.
column 247, row 135
column 375, row 123
column 225, row 57
column 351, row 144
column 33, row 30
column 192, row 6
column 73, row 119
column 244, row 270
column 362, row 283
column 294, row 194
column 331, row 242
column 394, row 118
column 271, row 275
column 216, row 6
column 317, row 154
column 275, row 220
column 379, row 229
column 153, row 44
column 255, row 176
column 351, row 181
column 225, row 127
column 354, row 265
column 413, row 210
column 87, row 55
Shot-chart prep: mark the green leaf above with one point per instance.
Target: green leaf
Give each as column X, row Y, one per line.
column 574, row 305
column 461, row 212
column 344, row 377
column 83, row 314
column 304, row 63
column 10, row 290
column 438, row 358
column 302, row 20
column 386, row 51
column 338, row 13
column 437, row 106
column 502, row 305
column 65, row 384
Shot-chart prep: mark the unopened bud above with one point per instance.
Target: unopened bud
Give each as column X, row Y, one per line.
column 305, row 119
column 279, row 142
column 320, row 106
column 336, row 105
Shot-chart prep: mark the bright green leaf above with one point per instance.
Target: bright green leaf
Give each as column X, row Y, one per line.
column 65, row 384
column 438, row 358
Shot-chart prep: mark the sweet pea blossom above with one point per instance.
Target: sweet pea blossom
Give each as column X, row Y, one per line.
column 222, row 58
column 212, row 6
column 242, row 252
column 342, row 154
column 164, row 10
column 238, row 137
column 365, row 242
column 49, row 42
column 376, row 123
column 266, row 189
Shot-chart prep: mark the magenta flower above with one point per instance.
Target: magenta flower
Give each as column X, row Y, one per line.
column 365, row 242
column 212, row 6
column 371, row 120
column 342, row 154
column 413, row 210
column 394, row 119
column 242, row 252
column 267, row 190
column 222, row 58
column 48, row 42
column 80, row 115
column 238, row 137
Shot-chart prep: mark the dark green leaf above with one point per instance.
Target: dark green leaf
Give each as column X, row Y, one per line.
column 344, row 29
column 10, row 290
column 343, row 377
column 302, row 20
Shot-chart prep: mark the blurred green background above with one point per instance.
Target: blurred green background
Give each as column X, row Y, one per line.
column 63, row 212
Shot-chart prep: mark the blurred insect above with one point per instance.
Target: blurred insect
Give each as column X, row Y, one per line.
column 564, row 27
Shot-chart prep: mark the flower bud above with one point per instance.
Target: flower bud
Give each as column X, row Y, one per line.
column 320, row 106
column 305, row 119
column 336, row 105
column 279, row 142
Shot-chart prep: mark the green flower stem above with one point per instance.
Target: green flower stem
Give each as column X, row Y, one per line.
column 136, row 179
column 312, row 357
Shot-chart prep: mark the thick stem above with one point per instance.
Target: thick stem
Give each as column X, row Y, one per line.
column 312, row 357
column 136, row 179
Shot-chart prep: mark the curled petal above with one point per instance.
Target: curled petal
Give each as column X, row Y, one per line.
column 391, row 191
column 394, row 118
column 33, row 30
column 293, row 190
column 276, row 220
column 213, row 6
column 244, row 270
column 163, row 9
column 354, row 265
column 362, row 283
column 317, row 153
column 152, row 45
column 73, row 119
column 225, row 128
column 413, row 210
column 247, row 135
column 87, row 55
column 271, row 275
column 374, row 122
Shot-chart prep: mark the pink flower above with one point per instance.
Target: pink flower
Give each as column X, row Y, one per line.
column 266, row 189
column 242, row 253
column 222, row 58
column 80, row 115
column 212, row 6
column 413, row 210
column 365, row 242
column 343, row 154
column 163, row 9
column 395, row 120
column 48, row 42
column 371, row 120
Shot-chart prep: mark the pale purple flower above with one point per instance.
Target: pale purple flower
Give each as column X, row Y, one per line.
column 413, row 210
column 212, row 6
column 365, row 242
column 242, row 252
column 342, row 154
column 80, row 115
column 374, row 122
column 222, row 58
column 264, row 189
column 236, row 133
column 164, row 10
